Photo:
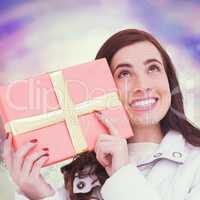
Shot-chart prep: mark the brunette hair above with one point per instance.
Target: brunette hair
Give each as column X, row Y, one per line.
column 175, row 119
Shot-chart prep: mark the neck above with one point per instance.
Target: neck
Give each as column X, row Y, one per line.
column 150, row 133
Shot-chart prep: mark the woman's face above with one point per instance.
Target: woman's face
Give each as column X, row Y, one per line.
column 142, row 82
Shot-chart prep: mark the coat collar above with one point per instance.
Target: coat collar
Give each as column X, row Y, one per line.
column 171, row 148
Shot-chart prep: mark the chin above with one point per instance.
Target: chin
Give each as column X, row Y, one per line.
column 148, row 119
column 145, row 123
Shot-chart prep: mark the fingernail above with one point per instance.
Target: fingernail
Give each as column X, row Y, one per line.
column 45, row 149
column 33, row 140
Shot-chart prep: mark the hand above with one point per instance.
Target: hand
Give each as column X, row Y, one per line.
column 25, row 170
column 111, row 150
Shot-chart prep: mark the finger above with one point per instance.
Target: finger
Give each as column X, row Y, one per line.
column 109, row 170
column 106, row 138
column 29, row 162
column 102, row 159
column 7, row 152
column 108, row 123
column 105, row 148
column 104, row 153
column 105, row 159
column 38, row 165
column 19, row 155
column 98, row 155
column 103, row 139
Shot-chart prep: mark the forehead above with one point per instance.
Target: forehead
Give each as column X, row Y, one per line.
column 136, row 53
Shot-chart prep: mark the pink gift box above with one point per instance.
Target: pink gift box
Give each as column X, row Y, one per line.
column 36, row 96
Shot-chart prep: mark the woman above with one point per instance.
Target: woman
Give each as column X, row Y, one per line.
column 162, row 160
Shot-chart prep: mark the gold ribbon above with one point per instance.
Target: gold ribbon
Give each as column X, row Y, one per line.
column 68, row 112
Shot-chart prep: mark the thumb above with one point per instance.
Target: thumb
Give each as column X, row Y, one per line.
column 107, row 122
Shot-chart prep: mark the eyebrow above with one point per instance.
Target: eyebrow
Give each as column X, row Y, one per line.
column 130, row 66
column 122, row 65
column 152, row 60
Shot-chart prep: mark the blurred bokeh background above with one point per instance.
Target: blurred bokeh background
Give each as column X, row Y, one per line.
column 37, row 36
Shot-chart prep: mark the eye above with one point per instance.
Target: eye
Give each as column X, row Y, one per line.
column 123, row 73
column 153, row 68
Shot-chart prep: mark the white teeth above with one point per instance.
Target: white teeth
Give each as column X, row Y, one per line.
column 143, row 103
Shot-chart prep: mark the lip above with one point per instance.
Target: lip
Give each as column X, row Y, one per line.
column 150, row 107
column 144, row 98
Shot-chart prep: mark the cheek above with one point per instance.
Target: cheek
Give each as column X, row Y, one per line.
column 165, row 91
column 124, row 88
column 161, row 83
column 164, row 86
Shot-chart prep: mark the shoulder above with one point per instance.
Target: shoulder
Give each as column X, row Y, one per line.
column 176, row 142
column 191, row 164
column 192, row 157
column 192, row 151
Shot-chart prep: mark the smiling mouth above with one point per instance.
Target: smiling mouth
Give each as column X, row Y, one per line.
column 143, row 104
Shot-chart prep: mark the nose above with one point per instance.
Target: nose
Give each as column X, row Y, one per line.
column 141, row 86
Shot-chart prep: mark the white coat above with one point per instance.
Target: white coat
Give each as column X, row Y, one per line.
column 174, row 175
